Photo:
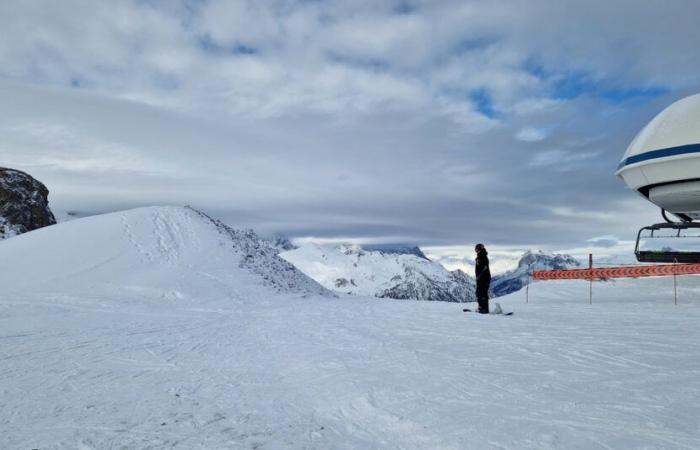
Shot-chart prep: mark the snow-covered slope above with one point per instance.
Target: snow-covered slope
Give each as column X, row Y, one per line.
column 170, row 252
column 154, row 328
column 516, row 279
column 387, row 274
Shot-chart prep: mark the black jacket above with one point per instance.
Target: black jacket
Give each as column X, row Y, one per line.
column 483, row 274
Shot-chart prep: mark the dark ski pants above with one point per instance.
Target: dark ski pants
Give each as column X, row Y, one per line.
column 482, row 295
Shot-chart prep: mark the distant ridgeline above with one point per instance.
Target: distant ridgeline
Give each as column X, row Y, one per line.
column 24, row 203
column 392, row 249
column 516, row 279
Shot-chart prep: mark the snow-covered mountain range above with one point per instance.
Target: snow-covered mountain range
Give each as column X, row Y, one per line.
column 399, row 273
column 516, row 279
column 404, row 272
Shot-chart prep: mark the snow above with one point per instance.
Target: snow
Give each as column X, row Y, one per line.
column 165, row 252
column 143, row 329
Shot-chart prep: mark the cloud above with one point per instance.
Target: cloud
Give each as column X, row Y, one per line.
column 532, row 134
column 604, row 241
column 279, row 57
column 441, row 123
column 563, row 160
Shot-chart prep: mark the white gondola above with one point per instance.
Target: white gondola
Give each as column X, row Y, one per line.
column 663, row 164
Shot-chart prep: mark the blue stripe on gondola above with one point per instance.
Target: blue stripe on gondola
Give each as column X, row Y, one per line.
column 664, row 152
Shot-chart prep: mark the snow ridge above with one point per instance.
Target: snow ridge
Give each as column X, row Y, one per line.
column 261, row 258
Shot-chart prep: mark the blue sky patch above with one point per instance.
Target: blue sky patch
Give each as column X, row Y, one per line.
column 634, row 93
column 577, row 84
column 404, row 7
column 483, row 102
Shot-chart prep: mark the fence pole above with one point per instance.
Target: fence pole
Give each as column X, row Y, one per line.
column 675, row 292
column 527, row 286
column 527, row 293
column 590, row 287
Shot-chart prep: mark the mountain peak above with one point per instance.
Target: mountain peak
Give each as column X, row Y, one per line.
column 543, row 260
column 396, row 249
column 516, row 279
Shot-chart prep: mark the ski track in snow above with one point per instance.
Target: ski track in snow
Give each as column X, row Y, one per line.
column 234, row 364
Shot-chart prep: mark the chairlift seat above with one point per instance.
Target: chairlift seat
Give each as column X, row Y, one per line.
column 650, row 256
column 667, row 256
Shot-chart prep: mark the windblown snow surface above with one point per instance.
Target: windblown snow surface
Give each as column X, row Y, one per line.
column 153, row 328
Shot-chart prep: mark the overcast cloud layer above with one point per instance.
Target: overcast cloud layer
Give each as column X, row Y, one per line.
column 438, row 123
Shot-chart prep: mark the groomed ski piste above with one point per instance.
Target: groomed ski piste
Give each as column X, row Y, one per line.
column 158, row 328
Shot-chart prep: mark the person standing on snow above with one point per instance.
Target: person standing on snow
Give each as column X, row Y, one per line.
column 483, row 278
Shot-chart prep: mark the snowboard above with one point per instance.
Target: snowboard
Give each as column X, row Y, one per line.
column 510, row 313
column 496, row 311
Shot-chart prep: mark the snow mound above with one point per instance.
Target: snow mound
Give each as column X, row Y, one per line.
column 358, row 271
column 174, row 252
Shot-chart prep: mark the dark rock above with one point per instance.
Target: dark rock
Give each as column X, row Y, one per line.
column 24, row 203
column 341, row 282
column 282, row 244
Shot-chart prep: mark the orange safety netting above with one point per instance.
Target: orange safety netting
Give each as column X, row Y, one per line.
column 658, row 270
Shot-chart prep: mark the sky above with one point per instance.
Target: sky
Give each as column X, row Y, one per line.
column 435, row 123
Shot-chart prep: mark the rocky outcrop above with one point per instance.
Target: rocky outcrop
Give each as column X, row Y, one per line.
column 24, row 203
column 282, row 244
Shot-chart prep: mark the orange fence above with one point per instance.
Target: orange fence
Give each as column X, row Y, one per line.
column 658, row 270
